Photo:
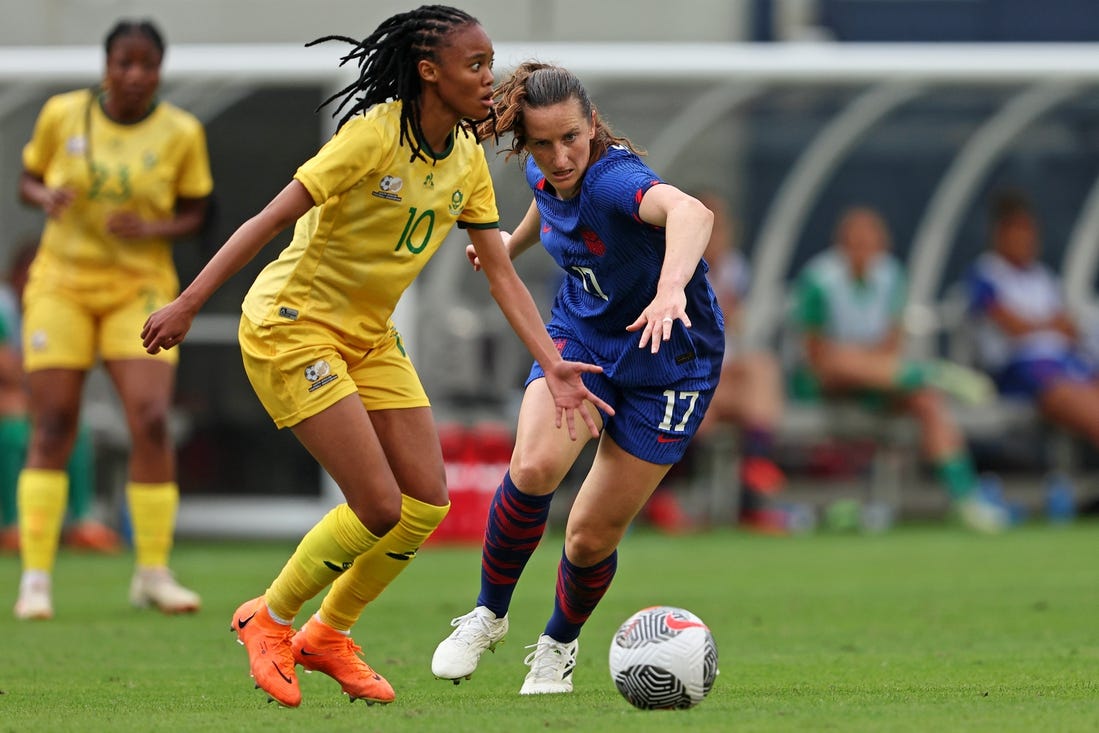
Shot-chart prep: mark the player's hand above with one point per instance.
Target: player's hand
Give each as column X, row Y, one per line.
column 56, row 200
column 570, row 394
column 166, row 327
column 656, row 321
column 127, row 225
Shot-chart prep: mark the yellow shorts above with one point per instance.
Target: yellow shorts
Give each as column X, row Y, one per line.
column 69, row 328
column 300, row 368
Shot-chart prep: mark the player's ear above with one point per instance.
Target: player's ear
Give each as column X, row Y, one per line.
column 428, row 70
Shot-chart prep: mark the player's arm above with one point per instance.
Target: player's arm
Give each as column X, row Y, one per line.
column 34, row 191
column 514, row 299
column 687, row 225
column 167, row 327
column 189, row 215
column 520, row 240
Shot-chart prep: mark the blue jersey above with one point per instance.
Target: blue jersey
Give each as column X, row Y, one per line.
column 612, row 261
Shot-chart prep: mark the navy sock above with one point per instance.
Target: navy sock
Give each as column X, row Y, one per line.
column 579, row 591
column 516, row 523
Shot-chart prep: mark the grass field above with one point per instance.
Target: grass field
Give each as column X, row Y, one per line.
column 921, row 629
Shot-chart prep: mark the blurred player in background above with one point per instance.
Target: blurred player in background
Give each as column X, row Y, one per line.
column 1026, row 336
column 636, row 302
column 750, row 393
column 119, row 174
column 850, row 303
column 319, row 344
column 84, row 531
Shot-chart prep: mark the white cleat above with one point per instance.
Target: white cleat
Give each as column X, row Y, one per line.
column 981, row 515
column 157, row 587
column 34, row 601
column 551, row 664
column 457, row 656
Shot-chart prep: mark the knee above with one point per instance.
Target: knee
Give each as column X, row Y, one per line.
column 53, row 429
column 533, row 475
column 150, row 422
column 378, row 516
column 585, row 547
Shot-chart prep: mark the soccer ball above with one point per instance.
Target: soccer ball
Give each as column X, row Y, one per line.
column 663, row 657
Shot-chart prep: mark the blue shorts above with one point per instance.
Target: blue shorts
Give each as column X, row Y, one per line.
column 1033, row 377
column 654, row 424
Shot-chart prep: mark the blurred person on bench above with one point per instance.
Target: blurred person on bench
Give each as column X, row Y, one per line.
column 850, row 300
column 1026, row 338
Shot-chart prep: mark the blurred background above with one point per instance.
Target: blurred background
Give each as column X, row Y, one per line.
column 790, row 110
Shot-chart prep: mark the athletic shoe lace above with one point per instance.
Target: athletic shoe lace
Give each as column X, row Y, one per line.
column 550, row 659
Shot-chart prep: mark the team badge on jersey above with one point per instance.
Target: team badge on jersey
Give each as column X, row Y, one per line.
column 456, row 200
column 319, row 374
column 76, row 145
column 389, row 187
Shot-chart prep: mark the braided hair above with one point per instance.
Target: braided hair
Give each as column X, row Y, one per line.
column 134, row 27
column 533, row 85
column 387, row 61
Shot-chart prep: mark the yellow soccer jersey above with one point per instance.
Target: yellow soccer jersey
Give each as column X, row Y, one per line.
column 379, row 218
column 140, row 167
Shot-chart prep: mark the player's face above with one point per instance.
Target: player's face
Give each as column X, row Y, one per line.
column 559, row 140
column 864, row 239
column 1017, row 239
column 133, row 74
column 462, row 76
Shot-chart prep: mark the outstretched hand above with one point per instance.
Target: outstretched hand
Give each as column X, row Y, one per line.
column 656, row 321
column 166, row 327
column 570, row 394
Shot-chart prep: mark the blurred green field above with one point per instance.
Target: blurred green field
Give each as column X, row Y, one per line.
column 921, row 629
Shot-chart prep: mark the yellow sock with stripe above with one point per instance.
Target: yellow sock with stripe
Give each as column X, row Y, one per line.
column 41, row 498
column 326, row 551
column 153, row 509
column 376, row 569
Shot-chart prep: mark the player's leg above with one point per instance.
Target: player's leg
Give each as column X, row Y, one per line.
column 612, row 494
column 14, row 434
column 411, row 446
column 144, row 386
column 943, row 445
column 517, row 517
column 43, row 486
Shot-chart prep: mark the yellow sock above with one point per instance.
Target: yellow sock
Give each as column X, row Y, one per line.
column 153, row 518
column 326, row 551
column 377, row 568
column 42, row 496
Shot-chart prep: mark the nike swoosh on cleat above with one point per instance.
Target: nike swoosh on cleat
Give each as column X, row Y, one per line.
column 407, row 555
column 288, row 680
column 242, row 622
column 307, row 653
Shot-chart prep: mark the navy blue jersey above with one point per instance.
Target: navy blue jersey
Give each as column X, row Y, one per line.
column 612, row 260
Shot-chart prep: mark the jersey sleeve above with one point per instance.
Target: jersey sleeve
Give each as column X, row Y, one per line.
column 195, row 179
column 480, row 210
column 44, row 142
column 621, row 184
column 980, row 289
column 355, row 150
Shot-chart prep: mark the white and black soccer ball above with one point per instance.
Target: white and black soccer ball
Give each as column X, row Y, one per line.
column 663, row 657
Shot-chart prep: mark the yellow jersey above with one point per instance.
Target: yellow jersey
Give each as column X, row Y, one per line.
column 378, row 219
column 142, row 167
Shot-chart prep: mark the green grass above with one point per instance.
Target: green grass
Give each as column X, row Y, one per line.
column 921, row 629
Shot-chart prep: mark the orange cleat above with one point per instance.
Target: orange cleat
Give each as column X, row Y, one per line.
column 320, row 648
column 92, row 536
column 270, row 657
column 762, row 475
